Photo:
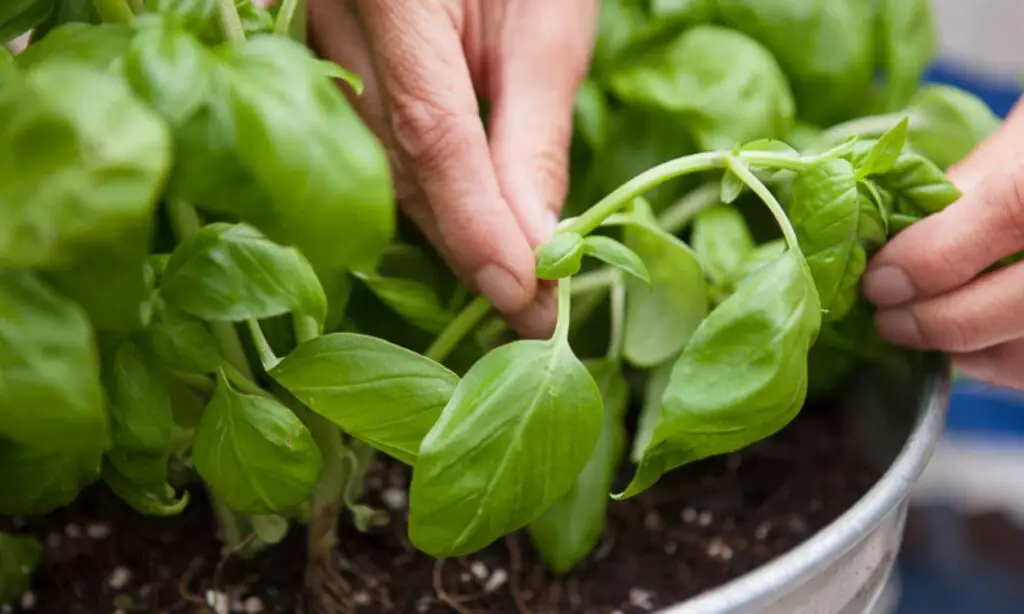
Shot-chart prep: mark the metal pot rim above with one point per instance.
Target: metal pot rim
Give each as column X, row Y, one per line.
column 816, row 554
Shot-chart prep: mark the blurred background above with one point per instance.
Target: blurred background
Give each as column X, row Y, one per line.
column 964, row 549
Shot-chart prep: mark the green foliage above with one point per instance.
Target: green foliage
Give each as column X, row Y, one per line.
column 19, row 556
column 167, row 184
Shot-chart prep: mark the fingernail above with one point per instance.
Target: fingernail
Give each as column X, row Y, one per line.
column 887, row 286
column 898, row 326
column 504, row 290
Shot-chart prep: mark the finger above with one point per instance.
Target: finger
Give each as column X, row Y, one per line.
column 1001, row 365
column 542, row 57
column 999, row 147
column 437, row 128
column 946, row 250
column 984, row 313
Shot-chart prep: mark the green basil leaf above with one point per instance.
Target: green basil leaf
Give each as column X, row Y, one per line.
column 254, row 453
column 83, row 209
column 380, row 393
column 907, row 41
column 762, row 256
column 19, row 557
column 899, row 222
column 101, row 46
column 833, row 221
column 773, row 145
column 742, row 377
column 728, row 88
column 654, row 392
column 142, row 427
column 231, row 272
column 886, row 150
column 591, row 115
column 568, row 531
column 918, row 185
column 415, row 301
column 521, row 426
column 947, row 123
column 20, row 16
column 825, row 47
column 49, row 368
column 661, row 316
column 722, row 242
column 38, row 478
column 66, row 12
column 560, row 257
column 140, row 410
column 183, row 342
column 152, row 498
column 612, row 252
column 190, row 14
column 255, row 19
column 171, row 70
column 278, row 145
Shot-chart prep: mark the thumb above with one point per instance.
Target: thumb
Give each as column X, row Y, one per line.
column 543, row 57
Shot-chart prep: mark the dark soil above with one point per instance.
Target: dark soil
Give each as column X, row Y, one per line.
column 698, row 528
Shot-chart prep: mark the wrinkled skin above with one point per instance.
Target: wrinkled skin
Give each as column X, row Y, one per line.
column 484, row 195
column 934, row 284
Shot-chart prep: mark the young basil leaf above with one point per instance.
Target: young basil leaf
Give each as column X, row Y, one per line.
column 140, row 410
column 19, row 557
column 49, row 368
column 521, row 426
column 728, row 88
column 772, row 145
column 567, row 532
column 732, row 187
column 171, row 70
column 415, row 301
column 255, row 18
column 20, row 16
column 278, row 145
column 560, row 257
column 101, row 46
column 907, row 42
column 742, row 377
column 654, row 391
column 254, row 453
column 152, row 498
column 661, row 316
column 918, row 185
column 899, row 222
column 833, row 221
column 886, row 150
column 825, row 48
column 378, row 392
column 612, row 252
column 947, row 123
column 142, row 426
column 722, row 242
column 335, row 71
column 231, row 272
column 181, row 341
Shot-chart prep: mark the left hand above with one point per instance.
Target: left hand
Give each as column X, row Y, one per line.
column 933, row 282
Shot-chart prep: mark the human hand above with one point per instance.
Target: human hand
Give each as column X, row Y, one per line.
column 483, row 199
column 933, row 282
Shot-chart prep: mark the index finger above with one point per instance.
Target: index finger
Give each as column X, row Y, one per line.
column 436, row 124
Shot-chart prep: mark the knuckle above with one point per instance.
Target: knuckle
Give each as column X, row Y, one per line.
column 428, row 133
column 943, row 330
column 1010, row 201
